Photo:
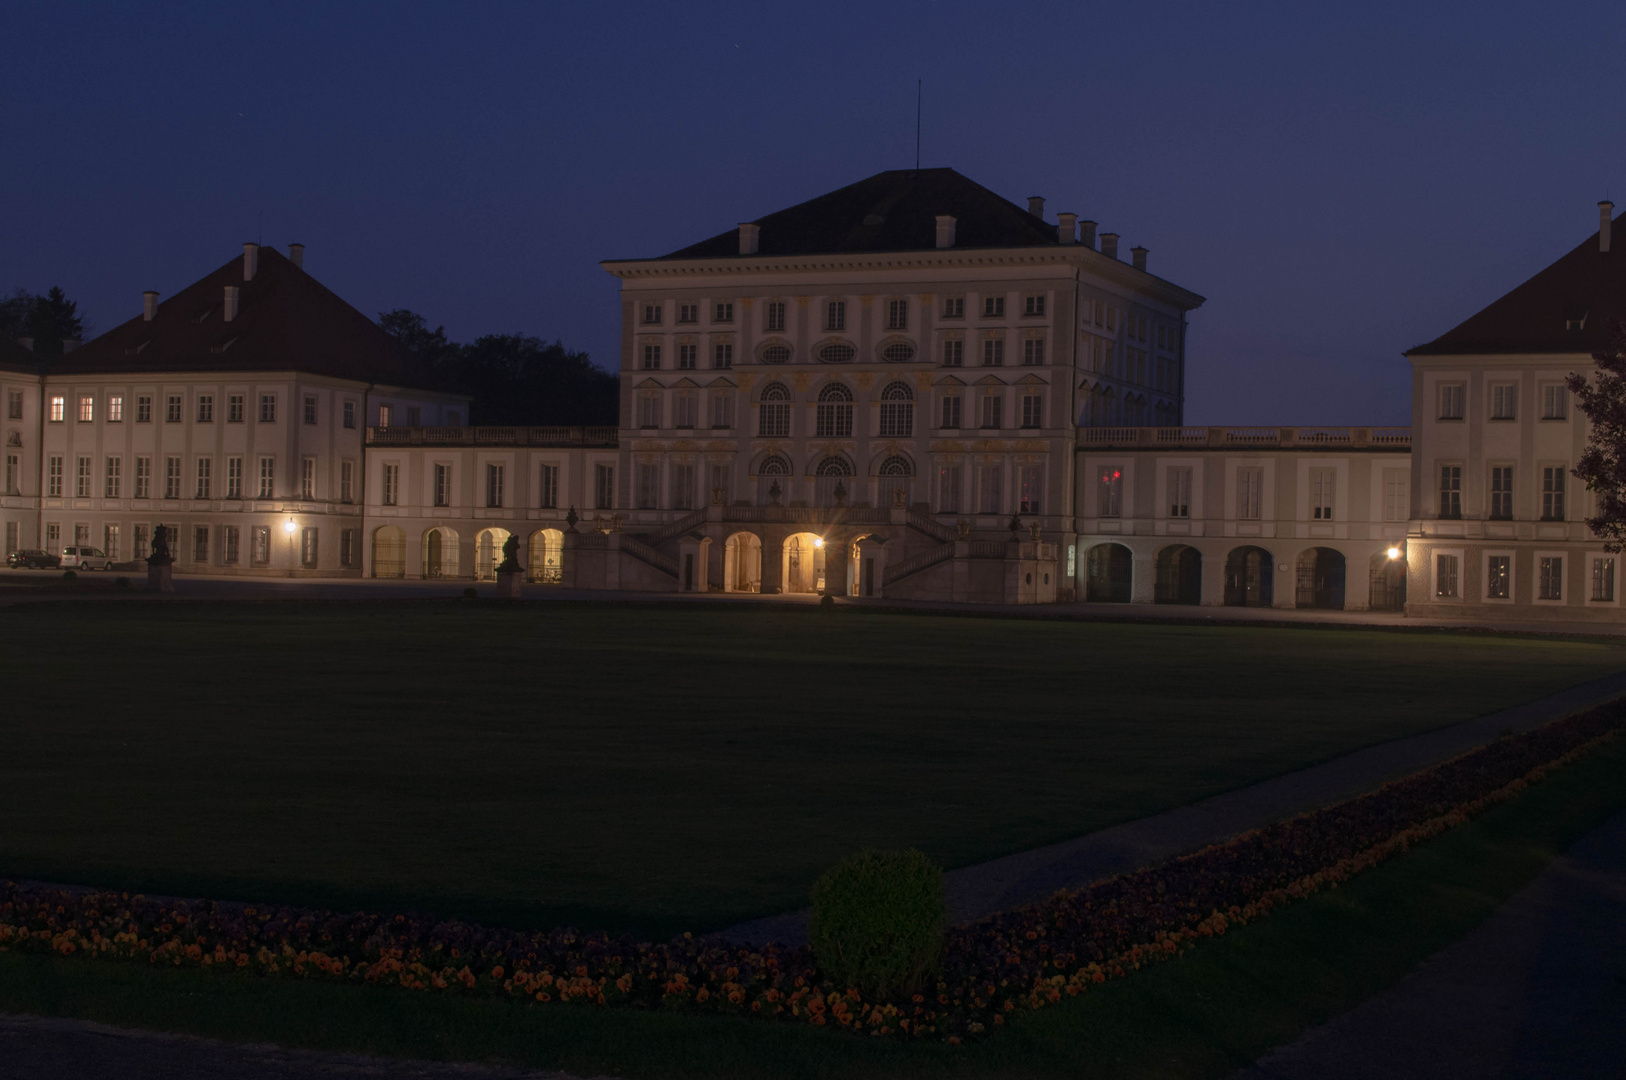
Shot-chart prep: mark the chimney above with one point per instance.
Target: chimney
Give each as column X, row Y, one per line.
column 229, row 311
column 750, row 235
column 945, row 230
column 1605, row 209
column 1036, row 205
column 1086, row 234
column 71, row 343
column 1067, row 228
column 251, row 261
column 296, row 255
column 1137, row 255
column 1109, row 244
column 149, row 305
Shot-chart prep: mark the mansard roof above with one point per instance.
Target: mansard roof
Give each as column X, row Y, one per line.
column 13, row 357
column 286, row 321
column 890, row 211
column 1585, row 288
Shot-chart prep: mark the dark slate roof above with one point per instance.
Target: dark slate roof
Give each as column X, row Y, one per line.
column 286, row 321
column 1585, row 284
column 891, row 211
column 13, row 357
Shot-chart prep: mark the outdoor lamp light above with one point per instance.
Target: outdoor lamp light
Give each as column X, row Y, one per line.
column 289, row 526
column 1394, row 553
column 818, row 541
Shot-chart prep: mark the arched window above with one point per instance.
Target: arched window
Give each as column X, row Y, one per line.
column 833, row 482
column 899, row 352
column 776, row 354
column 834, row 465
column 897, row 411
column 837, row 352
column 835, row 416
column 895, row 473
column 773, row 415
column 773, row 478
column 774, row 465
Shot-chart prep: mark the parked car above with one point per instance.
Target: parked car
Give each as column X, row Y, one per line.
column 32, row 558
column 85, row 558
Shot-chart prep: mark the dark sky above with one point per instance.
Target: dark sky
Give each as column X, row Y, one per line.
column 1339, row 185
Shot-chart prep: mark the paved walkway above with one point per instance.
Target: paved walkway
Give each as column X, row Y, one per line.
column 1019, row 879
column 1537, row 990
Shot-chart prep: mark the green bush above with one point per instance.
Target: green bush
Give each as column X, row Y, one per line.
column 878, row 922
column 69, row 575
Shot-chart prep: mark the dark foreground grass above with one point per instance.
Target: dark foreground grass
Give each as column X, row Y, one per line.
column 656, row 768
column 1201, row 1015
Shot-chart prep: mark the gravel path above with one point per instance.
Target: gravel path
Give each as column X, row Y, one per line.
column 1537, row 990
column 1022, row 878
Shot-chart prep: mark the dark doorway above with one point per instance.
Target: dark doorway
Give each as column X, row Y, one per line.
column 1179, row 576
column 1109, row 574
column 1249, row 578
column 1321, row 579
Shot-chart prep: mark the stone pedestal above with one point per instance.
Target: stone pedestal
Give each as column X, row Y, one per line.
column 509, row 584
column 159, row 577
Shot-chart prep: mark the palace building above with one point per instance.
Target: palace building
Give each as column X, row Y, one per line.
column 910, row 387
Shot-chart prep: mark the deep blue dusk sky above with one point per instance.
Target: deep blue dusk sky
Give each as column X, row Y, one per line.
column 1340, row 185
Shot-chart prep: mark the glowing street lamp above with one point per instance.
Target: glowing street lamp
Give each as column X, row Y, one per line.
column 1394, row 553
column 288, row 526
column 818, row 541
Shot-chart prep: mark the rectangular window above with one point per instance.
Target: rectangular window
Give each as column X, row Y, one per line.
column 1501, row 493
column 550, row 487
column 721, row 484
column 347, row 482
column 494, row 483
column 234, row 478
column 897, row 315
column 268, row 408
column 143, row 409
column 14, row 408
column 53, row 537
column 722, row 409
column 1034, row 305
column 1552, row 493
column 205, row 479
column 53, row 476
column 138, row 541
column 993, row 307
column 835, row 315
column 443, row 484
column 386, row 416
column 234, row 408
column 1180, row 492
column 1250, row 493
column 231, row 544
column 722, row 355
column 683, row 487
column 953, row 352
column 172, row 478
column 347, row 548
column 1603, row 578
column 1033, row 352
column 87, row 408
column 954, row 307
column 307, row 547
column 897, row 417
column 1033, row 410
column 12, row 538
column 1321, row 491
column 350, row 414
column 143, row 478
column 991, row 407
column 14, row 471
column 59, row 406
column 686, row 357
column 310, row 409
column 392, row 484
column 603, row 487
column 172, row 409
column 951, row 411
column 206, row 408
column 260, row 544
column 1451, row 401
column 950, row 482
column 307, row 478
column 268, row 477
column 1498, row 577
column 688, row 313
column 1109, row 492
column 81, row 534
column 81, row 477
column 993, row 352
column 652, row 314
column 991, row 495
column 773, row 419
column 652, row 357
column 774, row 317
column 1445, row 576
column 200, row 543
column 649, row 409
column 1450, row 491
column 1555, row 402
column 649, row 486
column 115, row 408
column 1031, row 492
column 1503, row 400
column 110, row 540
column 414, row 416
column 723, row 313
column 1550, row 578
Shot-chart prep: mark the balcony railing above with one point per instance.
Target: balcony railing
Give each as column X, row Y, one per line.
column 1303, row 438
column 491, row 436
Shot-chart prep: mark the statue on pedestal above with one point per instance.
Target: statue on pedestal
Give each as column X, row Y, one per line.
column 160, row 562
column 510, row 556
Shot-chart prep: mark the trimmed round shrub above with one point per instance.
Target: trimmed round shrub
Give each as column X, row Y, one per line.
column 123, row 582
column 470, row 594
column 69, row 575
column 878, row 922
column 827, row 602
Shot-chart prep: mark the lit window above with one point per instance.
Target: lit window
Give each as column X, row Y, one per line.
column 1109, row 492
column 1445, row 576
column 1498, row 577
column 87, row 408
column 58, row 408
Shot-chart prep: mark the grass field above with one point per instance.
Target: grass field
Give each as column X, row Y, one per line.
column 656, row 768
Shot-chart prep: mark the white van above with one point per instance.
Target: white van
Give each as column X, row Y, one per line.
column 85, row 558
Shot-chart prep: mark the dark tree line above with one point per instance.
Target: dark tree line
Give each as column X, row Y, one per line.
column 47, row 319
column 512, row 378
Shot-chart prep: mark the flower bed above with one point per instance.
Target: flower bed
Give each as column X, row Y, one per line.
column 1018, row 960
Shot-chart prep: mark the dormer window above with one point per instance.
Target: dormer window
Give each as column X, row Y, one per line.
column 1575, row 324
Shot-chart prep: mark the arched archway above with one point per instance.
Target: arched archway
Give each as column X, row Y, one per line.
column 1320, row 582
column 742, row 563
column 1250, row 578
column 488, row 545
column 547, row 554
column 440, row 553
column 1109, row 574
column 389, row 552
column 1388, row 583
column 1179, row 575
column 803, row 569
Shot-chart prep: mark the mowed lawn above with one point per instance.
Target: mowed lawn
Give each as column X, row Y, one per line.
column 656, row 768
